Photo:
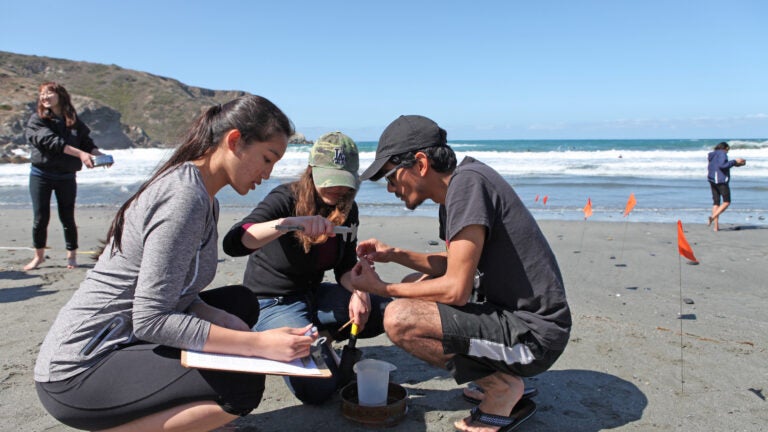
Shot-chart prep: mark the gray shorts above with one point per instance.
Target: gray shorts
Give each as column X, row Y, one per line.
column 485, row 339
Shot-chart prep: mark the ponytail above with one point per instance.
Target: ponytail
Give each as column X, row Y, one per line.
column 257, row 119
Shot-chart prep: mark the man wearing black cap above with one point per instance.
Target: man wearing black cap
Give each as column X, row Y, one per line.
column 492, row 308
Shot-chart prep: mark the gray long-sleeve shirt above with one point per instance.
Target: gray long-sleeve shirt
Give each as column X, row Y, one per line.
column 169, row 254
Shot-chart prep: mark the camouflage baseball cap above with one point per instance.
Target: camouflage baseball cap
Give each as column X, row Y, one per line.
column 334, row 161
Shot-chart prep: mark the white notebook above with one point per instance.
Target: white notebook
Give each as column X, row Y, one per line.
column 235, row 363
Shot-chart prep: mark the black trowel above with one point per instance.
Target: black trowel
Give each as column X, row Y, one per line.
column 349, row 356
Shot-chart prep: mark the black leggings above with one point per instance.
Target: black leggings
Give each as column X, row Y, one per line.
column 138, row 380
column 40, row 190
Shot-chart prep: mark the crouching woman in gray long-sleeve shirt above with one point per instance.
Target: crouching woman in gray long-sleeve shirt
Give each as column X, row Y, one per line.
column 111, row 358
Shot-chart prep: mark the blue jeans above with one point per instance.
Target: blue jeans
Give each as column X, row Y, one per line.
column 326, row 308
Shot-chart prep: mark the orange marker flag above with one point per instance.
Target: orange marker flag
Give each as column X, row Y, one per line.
column 544, row 200
column 588, row 209
column 682, row 244
column 630, row 204
column 537, row 198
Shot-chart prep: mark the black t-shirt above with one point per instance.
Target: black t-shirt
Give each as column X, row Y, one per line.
column 281, row 267
column 519, row 270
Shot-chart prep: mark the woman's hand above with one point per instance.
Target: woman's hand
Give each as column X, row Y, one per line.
column 285, row 343
column 359, row 308
column 312, row 226
column 85, row 158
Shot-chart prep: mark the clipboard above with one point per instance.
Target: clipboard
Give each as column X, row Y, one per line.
column 310, row 366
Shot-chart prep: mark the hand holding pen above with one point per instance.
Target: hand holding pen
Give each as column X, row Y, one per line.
column 313, row 333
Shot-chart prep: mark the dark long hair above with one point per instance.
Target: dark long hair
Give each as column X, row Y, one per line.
column 65, row 102
column 309, row 203
column 257, row 119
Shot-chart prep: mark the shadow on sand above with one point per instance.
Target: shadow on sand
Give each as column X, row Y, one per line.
column 10, row 295
column 572, row 400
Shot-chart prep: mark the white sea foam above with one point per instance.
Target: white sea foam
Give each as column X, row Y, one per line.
column 669, row 184
column 133, row 166
column 609, row 163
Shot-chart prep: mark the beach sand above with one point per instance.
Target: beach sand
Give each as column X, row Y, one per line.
column 627, row 367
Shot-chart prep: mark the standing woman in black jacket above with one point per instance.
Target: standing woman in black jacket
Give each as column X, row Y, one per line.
column 61, row 144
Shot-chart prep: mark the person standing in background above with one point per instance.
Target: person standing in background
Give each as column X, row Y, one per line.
column 719, row 176
column 60, row 146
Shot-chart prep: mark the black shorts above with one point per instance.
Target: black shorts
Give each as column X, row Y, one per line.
column 720, row 190
column 485, row 339
column 138, row 380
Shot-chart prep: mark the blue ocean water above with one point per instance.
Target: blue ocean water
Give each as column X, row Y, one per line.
column 667, row 178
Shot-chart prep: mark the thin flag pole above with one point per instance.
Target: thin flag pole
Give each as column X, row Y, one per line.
column 587, row 213
column 684, row 250
column 680, row 318
column 627, row 209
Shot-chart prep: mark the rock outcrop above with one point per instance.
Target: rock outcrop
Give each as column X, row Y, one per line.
column 122, row 107
column 106, row 129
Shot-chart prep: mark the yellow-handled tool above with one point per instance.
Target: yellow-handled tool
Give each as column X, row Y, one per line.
column 349, row 356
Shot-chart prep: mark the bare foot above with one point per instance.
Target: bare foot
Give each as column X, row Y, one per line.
column 473, row 391
column 502, row 392
column 71, row 260
column 709, row 222
column 474, row 394
column 36, row 261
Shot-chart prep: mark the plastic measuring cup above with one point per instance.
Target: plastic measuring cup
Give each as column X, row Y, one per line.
column 373, row 381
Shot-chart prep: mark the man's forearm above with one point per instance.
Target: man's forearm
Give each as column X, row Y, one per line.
column 432, row 264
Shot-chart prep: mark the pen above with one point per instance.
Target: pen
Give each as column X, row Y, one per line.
column 345, row 325
column 310, row 332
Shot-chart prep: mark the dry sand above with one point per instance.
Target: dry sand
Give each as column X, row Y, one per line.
column 627, row 367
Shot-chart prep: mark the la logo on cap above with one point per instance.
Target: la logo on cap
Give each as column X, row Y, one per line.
column 339, row 158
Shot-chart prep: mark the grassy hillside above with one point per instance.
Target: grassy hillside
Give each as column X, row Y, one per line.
column 161, row 106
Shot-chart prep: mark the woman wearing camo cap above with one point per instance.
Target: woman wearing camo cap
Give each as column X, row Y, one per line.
column 286, row 268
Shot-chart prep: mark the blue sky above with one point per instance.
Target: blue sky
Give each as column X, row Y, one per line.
column 481, row 69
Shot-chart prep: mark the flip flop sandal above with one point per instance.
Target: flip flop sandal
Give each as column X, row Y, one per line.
column 520, row 413
column 528, row 393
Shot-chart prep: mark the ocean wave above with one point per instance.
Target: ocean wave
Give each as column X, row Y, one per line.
column 739, row 144
column 133, row 166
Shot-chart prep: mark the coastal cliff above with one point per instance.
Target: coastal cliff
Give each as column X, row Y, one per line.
column 124, row 108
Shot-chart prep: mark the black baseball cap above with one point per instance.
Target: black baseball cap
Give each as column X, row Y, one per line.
column 407, row 133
